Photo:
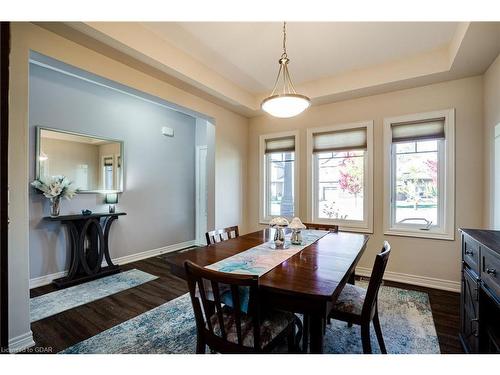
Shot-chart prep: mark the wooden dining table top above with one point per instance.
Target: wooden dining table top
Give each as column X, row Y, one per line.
column 315, row 272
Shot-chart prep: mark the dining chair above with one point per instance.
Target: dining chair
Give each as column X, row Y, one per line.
column 359, row 306
column 220, row 235
column 329, row 227
column 244, row 327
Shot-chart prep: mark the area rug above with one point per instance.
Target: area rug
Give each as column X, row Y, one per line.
column 55, row 302
column 405, row 316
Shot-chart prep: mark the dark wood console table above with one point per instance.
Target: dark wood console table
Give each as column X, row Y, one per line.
column 88, row 239
column 480, row 299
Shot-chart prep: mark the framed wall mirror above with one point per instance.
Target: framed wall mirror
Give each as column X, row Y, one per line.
column 94, row 164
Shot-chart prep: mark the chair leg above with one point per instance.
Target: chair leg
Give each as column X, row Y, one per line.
column 365, row 338
column 305, row 335
column 200, row 346
column 351, row 280
column 378, row 331
column 298, row 329
column 291, row 339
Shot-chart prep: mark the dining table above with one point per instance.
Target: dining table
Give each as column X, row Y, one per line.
column 308, row 282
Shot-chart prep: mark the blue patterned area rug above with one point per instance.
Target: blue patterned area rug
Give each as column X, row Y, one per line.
column 405, row 316
column 61, row 300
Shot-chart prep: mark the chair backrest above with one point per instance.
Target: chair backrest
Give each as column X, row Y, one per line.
column 331, row 228
column 220, row 235
column 376, row 280
column 205, row 288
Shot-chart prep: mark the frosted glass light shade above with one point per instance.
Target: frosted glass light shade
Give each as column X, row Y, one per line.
column 287, row 105
column 111, row 198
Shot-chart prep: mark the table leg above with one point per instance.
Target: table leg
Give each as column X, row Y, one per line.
column 316, row 331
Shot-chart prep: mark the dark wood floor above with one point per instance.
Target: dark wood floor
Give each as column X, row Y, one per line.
column 69, row 327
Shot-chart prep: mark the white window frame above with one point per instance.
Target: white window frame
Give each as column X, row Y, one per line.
column 446, row 180
column 365, row 226
column 264, row 216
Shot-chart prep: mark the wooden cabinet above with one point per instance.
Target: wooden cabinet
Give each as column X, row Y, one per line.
column 470, row 310
column 480, row 295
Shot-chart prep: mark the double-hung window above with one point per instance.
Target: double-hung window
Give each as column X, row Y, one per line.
column 278, row 175
column 340, row 175
column 419, row 171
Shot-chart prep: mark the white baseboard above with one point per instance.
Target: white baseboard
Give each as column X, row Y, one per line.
column 153, row 253
column 428, row 282
column 47, row 279
column 21, row 342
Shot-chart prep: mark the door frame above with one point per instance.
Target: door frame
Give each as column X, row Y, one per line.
column 4, row 194
column 199, row 241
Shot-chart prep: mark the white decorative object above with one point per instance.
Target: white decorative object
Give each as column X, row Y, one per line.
column 296, row 225
column 54, row 189
column 279, row 223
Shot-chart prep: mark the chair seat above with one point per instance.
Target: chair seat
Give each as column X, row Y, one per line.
column 272, row 324
column 350, row 300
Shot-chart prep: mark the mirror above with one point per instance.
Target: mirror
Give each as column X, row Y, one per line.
column 94, row 164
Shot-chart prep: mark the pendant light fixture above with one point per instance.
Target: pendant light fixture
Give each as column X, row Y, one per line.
column 284, row 101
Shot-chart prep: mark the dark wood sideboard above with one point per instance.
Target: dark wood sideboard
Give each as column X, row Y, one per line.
column 480, row 297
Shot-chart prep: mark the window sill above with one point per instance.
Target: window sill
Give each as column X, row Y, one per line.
column 346, row 225
column 420, row 234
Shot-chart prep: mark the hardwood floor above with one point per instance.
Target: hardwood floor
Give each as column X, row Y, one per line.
column 69, row 327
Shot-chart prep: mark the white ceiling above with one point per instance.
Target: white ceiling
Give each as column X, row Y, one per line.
column 247, row 53
column 234, row 64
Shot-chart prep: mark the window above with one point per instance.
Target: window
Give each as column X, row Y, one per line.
column 419, row 168
column 278, row 176
column 340, row 181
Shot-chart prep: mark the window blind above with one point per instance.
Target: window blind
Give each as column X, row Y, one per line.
column 418, row 130
column 108, row 162
column 285, row 144
column 342, row 140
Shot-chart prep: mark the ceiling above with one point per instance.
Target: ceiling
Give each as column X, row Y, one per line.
column 234, row 64
column 247, row 52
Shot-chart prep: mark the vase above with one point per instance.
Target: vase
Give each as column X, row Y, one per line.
column 296, row 238
column 55, row 206
column 279, row 237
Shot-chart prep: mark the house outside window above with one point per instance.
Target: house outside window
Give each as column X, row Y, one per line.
column 419, row 174
column 340, row 175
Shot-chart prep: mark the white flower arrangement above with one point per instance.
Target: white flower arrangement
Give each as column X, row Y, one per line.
column 56, row 187
column 279, row 221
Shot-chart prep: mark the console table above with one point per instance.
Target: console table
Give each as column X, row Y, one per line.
column 480, row 298
column 88, row 245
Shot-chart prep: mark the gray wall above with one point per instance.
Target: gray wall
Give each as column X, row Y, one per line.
column 159, row 180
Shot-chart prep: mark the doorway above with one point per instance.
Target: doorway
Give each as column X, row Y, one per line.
column 201, row 194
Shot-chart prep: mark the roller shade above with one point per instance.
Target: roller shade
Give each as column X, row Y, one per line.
column 342, row 140
column 108, row 161
column 285, row 144
column 418, row 130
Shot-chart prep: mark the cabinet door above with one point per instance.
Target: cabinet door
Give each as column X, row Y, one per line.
column 470, row 312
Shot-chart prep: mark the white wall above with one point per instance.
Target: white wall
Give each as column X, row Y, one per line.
column 491, row 120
